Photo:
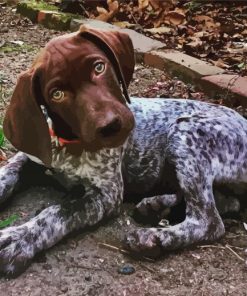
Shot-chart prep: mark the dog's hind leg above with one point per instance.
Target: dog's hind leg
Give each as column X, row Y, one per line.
column 202, row 222
column 10, row 175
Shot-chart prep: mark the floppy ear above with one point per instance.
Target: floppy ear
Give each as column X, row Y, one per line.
column 119, row 48
column 24, row 123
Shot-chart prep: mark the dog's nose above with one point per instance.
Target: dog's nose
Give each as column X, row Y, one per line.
column 111, row 128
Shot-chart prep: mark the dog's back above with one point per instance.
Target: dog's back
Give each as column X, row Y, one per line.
column 202, row 125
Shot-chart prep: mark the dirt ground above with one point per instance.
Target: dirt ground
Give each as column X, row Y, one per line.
column 83, row 264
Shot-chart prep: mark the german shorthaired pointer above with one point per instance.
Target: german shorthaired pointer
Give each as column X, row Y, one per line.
column 78, row 88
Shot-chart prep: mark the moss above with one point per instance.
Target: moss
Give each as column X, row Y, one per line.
column 9, row 47
column 41, row 5
column 66, row 16
column 30, row 9
column 58, row 21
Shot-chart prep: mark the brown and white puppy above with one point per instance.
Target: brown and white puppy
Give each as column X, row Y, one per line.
column 81, row 81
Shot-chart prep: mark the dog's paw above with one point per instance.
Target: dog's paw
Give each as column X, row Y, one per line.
column 153, row 209
column 144, row 242
column 16, row 250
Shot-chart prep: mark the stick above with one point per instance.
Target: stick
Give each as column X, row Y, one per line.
column 121, row 250
column 211, row 246
column 231, row 250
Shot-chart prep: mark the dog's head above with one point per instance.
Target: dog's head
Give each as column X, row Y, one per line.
column 81, row 78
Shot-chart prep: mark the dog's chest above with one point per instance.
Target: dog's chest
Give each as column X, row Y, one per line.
column 90, row 167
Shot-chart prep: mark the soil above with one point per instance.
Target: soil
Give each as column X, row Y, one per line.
column 88, row 263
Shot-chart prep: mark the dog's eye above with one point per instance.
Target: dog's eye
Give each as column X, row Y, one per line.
column 57, row 95
column 99, row 67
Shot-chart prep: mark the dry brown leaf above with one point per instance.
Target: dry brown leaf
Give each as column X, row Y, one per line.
column 181, row 40
column 160, row 30
column 3, row 156
column 220, row 63
column 175, row 17
column 207, row 21
column 199, row 34
column 123, row 24
column 155, row 4
column 105, row 15
column 157, row 23
column 101, row 10
column 143, row 4
column 195, row 44
column 113, row 5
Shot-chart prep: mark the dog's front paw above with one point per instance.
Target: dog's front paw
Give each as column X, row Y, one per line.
column 16, row 250
column 144, row 242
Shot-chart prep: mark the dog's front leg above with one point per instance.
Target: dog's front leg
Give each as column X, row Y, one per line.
column 18, row 245
column 10, row 175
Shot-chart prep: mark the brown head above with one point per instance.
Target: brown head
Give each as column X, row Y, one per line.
column 81, row 79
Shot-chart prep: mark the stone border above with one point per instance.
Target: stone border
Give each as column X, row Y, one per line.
column 210, row 79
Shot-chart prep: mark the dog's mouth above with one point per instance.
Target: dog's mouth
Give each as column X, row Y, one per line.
column 110, row 138
column 111, row 135
column 65, row 141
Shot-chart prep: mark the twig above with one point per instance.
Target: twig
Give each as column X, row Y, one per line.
column 135, row 20
column 113, row 248
column 121, row 250
column 228, row 247
column 230, row 84
column 85, row 267
column 211, row 246
column 85, row 11
column 236, row 235
column 236, row 247
column 2, row 94
column 153, row 271
column 236, row 254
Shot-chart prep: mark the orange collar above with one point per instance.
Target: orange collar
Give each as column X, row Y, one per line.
column 63, row 142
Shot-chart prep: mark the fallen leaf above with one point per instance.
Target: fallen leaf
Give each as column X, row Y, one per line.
column 123, row 24
column 208, row 22
column 142, row 4
column 17, row 42
column 159, row 30
column 113, row 5
column 155, row 4
column 175, row 17
column 244, row 32
column 220, row 63
column 2, row 43
column 105, row 15
column 101, row 10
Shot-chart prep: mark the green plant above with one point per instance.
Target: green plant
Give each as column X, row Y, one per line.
column 8, row 221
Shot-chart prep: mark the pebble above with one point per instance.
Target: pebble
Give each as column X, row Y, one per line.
column 64, row 289
column 126, row 269
column 88, row 278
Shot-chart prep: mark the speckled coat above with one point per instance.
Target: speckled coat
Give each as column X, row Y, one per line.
column 197, row 142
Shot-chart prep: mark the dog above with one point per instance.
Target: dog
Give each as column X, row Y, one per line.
column 71, row 113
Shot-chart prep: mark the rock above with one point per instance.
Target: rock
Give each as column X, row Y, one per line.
column 126, row 269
